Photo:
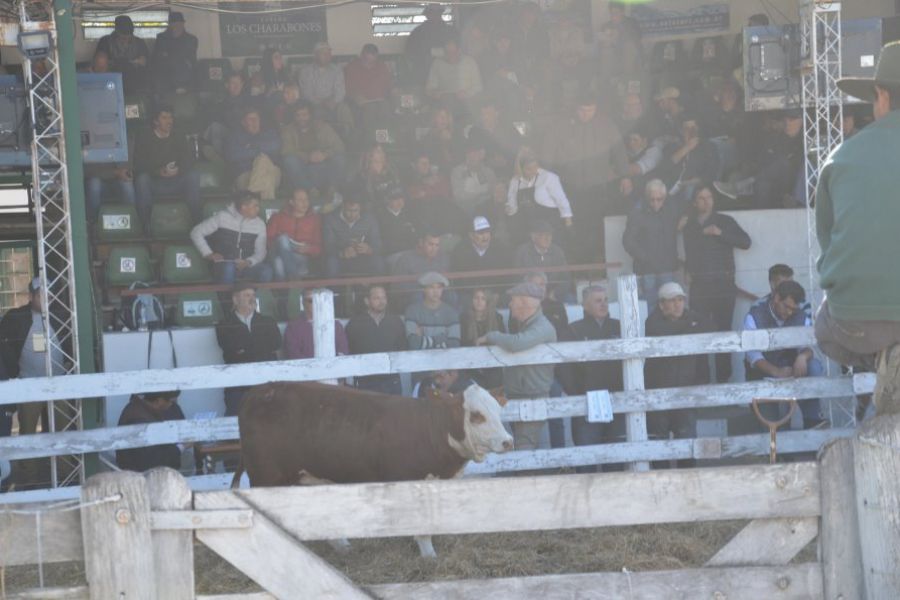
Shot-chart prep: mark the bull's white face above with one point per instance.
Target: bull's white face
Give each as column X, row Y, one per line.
column 484, row 429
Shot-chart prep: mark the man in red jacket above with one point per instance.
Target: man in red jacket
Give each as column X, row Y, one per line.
column 295, row 236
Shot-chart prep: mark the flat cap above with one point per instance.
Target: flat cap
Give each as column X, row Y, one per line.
column 432, row 277
column 530, row 290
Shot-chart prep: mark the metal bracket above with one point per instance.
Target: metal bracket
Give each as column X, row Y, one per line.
column 599, row 407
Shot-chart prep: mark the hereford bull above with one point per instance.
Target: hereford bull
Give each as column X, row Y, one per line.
column 308, row 433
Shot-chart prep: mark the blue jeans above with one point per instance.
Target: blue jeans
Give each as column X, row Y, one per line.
column 226, row 272
column 650, row 285
column 321, row 176
column 186, row 185
column 287, row 263
column 96, row 188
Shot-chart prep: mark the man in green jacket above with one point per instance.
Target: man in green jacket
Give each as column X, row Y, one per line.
column 532, row 329
column 312, row 153
column 857, row 214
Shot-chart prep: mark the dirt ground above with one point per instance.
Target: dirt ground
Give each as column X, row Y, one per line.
column 394, row 560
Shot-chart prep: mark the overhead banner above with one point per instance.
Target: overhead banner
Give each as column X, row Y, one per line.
column 253, row 27
column 655, row 21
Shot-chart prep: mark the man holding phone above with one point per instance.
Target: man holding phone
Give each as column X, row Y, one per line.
column 163, row 162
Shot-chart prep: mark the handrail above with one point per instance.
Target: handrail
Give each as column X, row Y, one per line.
column 385, row 279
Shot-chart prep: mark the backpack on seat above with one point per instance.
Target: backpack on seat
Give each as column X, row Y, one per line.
column 143, row 311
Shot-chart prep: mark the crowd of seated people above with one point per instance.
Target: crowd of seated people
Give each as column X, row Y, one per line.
column 524, row 137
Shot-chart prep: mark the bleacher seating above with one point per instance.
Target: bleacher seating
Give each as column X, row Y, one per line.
column 197, row 309
column 170, row 220
column 183, row 264
column 127, row 264
column 266, row 304
column 117, row 222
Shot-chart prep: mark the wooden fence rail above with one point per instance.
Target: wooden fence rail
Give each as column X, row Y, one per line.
column 851, row 495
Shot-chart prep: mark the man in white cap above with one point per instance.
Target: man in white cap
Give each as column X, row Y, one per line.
column 322, row 84
column 673, row 317
column 856, row 220
column 480, row 253
column 431, row 322
column 527, row 381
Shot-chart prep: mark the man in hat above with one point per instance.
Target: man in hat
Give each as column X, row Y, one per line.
column 322, row 84
column 673, row 317
column 174, row 56
column 527, row 381
column 856, row 216
column 127, row 54
column 425, row 42
column 479, row 253
column 432, row 323
column 541, row 253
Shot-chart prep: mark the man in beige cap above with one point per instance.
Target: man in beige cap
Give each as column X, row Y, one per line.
column 432, row 323
column 857, row 211
column 527, row 381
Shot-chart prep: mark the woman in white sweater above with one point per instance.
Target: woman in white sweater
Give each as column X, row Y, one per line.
column 536, row 194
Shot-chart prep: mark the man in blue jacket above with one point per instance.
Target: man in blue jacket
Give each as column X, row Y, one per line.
column 253, row 152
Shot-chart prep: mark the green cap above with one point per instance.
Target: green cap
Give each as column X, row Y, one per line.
column 887, row 74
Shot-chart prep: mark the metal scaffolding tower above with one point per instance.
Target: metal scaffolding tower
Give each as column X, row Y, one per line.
column 53, row 217
column 823, row 129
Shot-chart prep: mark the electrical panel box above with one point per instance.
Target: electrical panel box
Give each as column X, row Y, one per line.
column 102, row 108
column 772, row 79
column 102, row 111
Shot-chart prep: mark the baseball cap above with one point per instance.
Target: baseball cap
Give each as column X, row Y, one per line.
column 671, row 290
column 480, row 224
column 530, row 290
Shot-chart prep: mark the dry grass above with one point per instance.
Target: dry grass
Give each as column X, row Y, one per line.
column 391, row 560
column 396, row 560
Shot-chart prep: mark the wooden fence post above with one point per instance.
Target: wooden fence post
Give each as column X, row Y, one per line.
column 876, row 460
column 839, row 532
column 116, row 529
column 173, row 550
column 323, row 326
column 632, row 368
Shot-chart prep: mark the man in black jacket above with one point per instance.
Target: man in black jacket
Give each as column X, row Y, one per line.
column 672, row 317
column 709, row 242
column 245, row 336
column 651, row 238
column 154, row 407
column 377, row 331
column 479, row 253
column 580, row 378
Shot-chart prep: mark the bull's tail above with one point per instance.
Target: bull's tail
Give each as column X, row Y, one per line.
column 236, row 480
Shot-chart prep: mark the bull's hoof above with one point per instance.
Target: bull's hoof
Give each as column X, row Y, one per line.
column 426, row 548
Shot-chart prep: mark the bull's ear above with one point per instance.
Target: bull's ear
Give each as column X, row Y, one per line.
column 442, row 396
column 499, row 396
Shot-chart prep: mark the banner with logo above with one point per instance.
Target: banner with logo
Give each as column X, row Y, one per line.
column 657, row 21
column 253, row 27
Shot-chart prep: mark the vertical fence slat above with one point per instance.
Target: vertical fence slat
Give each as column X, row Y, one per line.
column 632, row 368
column 323, row 326
column 839, row 533
column 876, row 460
column 117, row 558
column 173, row 550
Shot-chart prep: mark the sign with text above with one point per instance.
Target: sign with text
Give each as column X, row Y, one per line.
column 252, row 28
column 657, row 21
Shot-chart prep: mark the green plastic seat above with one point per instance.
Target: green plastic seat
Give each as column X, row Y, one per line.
column 265, row 302
column 198, row 309
column 211, row 207
column 211, row 73
column 135, row 108
column 170, row 220
column 212, row 177
column 117, row 222
column 127, row 264
column 268, row 208
column 294, row 303
column 183, row 263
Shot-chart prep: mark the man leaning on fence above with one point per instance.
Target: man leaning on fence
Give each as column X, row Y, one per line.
column 856, row 220
column 527, row 381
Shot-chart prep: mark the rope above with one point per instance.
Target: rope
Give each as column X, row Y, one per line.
column 59, row 507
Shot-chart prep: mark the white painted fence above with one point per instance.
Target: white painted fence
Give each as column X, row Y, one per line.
column 634, row 400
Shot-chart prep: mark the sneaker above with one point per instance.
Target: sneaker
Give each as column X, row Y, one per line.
column 887, row 381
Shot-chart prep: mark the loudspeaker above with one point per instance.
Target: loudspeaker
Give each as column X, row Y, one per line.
column 772, row 67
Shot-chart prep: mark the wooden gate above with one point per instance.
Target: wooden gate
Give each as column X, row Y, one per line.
column 850, row 498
